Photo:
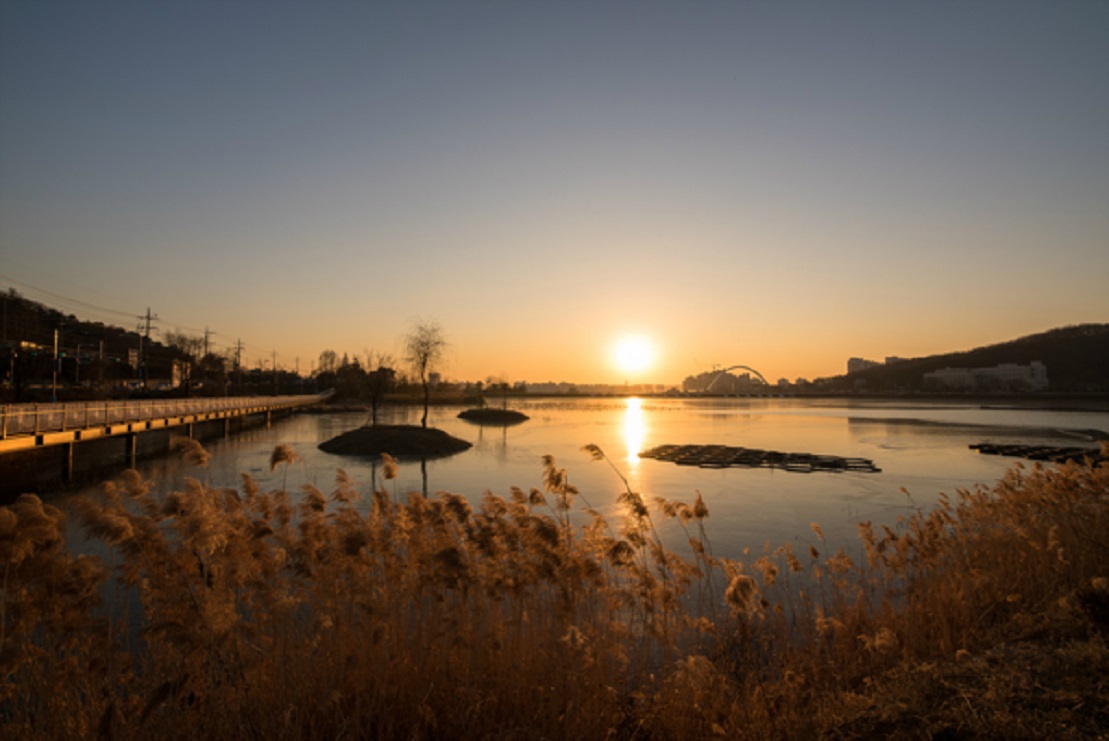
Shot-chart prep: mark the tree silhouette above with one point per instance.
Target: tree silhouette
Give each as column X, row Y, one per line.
column 424, row 347
column 380, row 380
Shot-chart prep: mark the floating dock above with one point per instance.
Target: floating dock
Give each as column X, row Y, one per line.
column 723, row 456
column 1043, row 453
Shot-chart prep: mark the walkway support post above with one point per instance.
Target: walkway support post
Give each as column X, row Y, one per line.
column 67, row 464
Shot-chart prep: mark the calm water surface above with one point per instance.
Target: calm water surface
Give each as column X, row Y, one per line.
column 919, row 447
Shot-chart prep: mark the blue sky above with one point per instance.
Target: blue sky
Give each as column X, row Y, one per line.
column 782, row 185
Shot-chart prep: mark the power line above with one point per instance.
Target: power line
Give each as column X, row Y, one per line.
column 180, row 326
column 145, row 327
column 60, row 297
column 85, row 304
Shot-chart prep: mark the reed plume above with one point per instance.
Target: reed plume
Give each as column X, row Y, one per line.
column 191, row 451
column 282, row 453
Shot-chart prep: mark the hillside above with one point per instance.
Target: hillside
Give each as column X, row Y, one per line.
column 94, row 359
column 1077, row 360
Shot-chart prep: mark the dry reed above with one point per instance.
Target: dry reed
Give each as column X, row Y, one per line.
column 263, row 615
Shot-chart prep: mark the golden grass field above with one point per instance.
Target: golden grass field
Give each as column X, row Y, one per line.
column 266, row 615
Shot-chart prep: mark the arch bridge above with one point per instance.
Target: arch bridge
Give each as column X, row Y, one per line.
column 730, row 368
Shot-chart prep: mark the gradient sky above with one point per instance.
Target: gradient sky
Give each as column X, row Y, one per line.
column 781, row 185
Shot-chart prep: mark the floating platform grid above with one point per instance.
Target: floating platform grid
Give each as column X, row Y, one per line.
column 724, row 456
column 1044, row 453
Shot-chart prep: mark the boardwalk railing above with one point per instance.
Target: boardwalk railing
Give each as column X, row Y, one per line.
column 33, row 419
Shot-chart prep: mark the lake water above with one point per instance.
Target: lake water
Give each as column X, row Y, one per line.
column 918, row 446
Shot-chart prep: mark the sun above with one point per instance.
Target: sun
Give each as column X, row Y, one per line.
column 633, row 354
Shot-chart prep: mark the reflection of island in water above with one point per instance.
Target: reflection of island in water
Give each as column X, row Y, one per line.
column 493, row 417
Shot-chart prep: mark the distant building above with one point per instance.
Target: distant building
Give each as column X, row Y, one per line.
column 952, row 378
column 179, row 373
column 890, row 359
column 857, row 364
column 550, row 387
column 722, row 382
column 1031, row 377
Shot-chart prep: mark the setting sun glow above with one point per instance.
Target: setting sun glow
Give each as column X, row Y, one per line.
column 633, row 354
column 635, row 429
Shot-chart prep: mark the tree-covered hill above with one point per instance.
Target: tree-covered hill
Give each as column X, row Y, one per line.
column 1077, row 360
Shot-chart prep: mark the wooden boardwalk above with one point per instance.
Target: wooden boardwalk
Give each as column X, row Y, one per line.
column 723, row 456
column 27, row 426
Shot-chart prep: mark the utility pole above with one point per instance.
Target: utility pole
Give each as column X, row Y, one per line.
column 275, row 372
column 144, row 344
column 238, row 359
column 202, row 363
column 54, row 385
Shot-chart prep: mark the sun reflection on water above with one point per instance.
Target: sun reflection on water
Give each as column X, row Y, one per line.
column 635, row 429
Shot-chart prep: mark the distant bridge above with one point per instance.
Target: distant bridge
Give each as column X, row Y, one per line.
column 27, row 427
column 747, row 368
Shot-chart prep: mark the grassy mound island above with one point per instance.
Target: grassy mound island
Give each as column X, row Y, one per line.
column 268, row 615
column 491, row 416
column 399, row 441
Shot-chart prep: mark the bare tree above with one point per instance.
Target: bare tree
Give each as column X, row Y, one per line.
column 329, row 361
column 424, row 347
column 380, row 380
column 192, row 348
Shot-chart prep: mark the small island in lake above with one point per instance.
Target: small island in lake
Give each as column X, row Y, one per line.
column 401, row 441
column 491, row 416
